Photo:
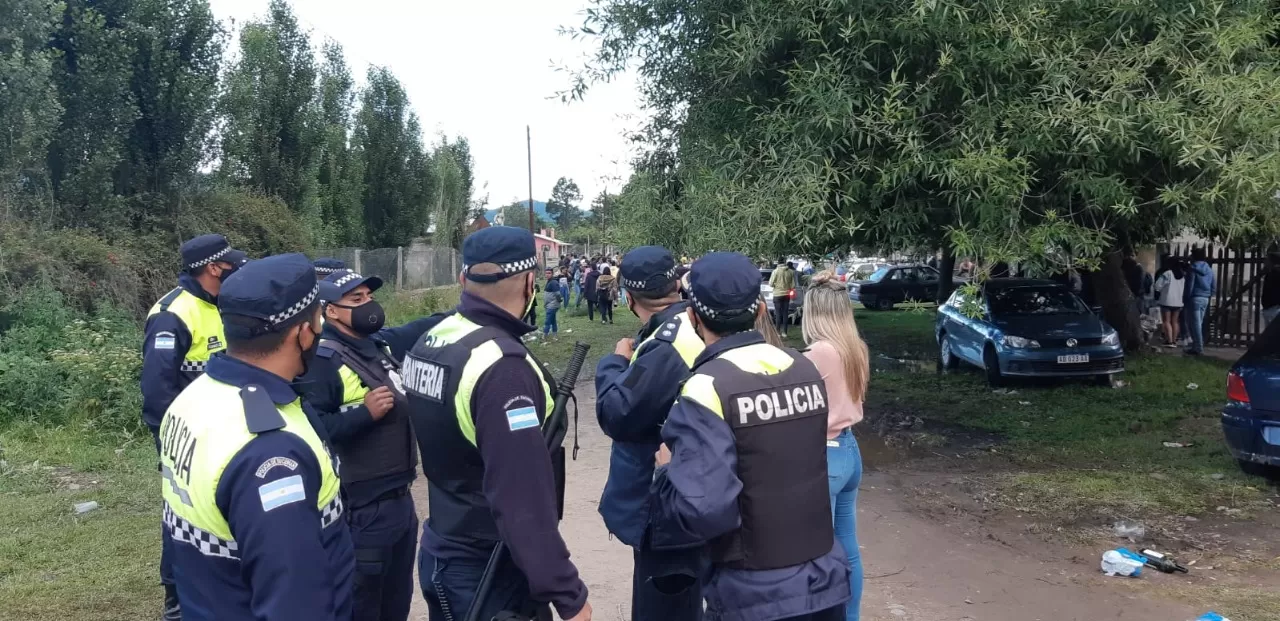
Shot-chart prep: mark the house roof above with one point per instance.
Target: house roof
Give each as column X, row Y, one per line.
column 553, row 240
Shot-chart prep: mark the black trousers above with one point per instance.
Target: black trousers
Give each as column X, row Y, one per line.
column 781, row 310
column 667, row 586
column 830, row 614
column 606, row 309
column 166, row 541
column 385, row 536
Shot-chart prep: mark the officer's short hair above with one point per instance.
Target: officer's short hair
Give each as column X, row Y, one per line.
column 725, row 325
column 268, row 342
column 657, row 294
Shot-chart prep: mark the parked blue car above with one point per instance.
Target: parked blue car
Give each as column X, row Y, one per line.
column 1251, row 419
column 1028, row 328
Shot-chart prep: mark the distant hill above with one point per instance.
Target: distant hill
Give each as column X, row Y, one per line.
column 539, row 208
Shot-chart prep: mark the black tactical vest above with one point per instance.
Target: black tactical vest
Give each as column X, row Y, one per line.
column 450, row 461
column 779, row 425
column 387, row 446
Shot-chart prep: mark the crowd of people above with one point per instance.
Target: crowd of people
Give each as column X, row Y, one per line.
column 290, row 423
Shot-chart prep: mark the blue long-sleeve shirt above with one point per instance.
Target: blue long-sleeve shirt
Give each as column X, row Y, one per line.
column 162, row 374
column 518, row 482
column 292, row 564
column 632, row 402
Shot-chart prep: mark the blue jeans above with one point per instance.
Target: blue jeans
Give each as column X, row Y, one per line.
column 450, row 585
column 551, row 324
column 1199, row 307
column 844, row 473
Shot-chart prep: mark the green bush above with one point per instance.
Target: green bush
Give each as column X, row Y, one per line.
column 59, row 366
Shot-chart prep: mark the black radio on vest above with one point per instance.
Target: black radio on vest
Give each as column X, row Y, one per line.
column 388, row 447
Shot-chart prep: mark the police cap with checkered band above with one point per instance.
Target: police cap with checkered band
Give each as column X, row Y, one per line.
column 272, row 290
column 342, row 282
column 328, row 265
column 648, row 268
column 511, row 249
column 724, row 285
column 205, row 249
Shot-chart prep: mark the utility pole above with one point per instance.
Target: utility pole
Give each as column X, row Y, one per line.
column 528, row 141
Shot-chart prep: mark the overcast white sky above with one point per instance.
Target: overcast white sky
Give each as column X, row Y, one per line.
column 484, row 69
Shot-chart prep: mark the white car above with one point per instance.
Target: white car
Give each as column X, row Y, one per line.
column 795, row 310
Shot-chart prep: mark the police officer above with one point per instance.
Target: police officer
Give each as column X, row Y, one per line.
column 635, row 387
column 354, row 385
column 478, row 399
column 183, row 330
column 326, row 266
column 251, row 491
column 747, row 469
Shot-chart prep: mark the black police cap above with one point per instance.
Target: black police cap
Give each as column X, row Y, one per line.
column 205, row 249
column 342, row 282
column 647, row 268
column 512, row 249
column 724, row 284
column 273, row 290
column 328, row 265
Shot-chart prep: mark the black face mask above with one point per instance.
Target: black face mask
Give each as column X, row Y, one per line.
column 226, row 273
column 309, row 353
column 366, row 318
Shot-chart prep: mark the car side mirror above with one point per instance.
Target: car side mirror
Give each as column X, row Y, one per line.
column 1097, row 310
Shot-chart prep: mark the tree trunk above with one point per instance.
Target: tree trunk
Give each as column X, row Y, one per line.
column 946, row 271
column 1119, row 307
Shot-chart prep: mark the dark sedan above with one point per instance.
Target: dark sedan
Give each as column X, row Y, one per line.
column 1251, row 419
column 895, row 284
column 1025, row 327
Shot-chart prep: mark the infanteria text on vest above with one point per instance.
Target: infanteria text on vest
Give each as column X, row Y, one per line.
column 440, row 375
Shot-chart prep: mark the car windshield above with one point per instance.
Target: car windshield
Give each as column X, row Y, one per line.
column 1034, row 301
column 878, row 275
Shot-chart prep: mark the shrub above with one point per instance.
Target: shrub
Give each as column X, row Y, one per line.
column 58, row 366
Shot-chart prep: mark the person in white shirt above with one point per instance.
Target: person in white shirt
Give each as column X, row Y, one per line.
column 1170, row 285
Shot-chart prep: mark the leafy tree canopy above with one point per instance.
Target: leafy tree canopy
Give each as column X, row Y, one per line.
column 1044, row 131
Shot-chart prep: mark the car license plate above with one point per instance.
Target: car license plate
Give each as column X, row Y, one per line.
column 1271, row 435
column 1073, row 359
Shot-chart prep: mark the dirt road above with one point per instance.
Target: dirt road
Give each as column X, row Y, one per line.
column 918, row 568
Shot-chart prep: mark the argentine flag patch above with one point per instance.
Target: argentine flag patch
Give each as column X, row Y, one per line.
column 282, row 492
column 522, row 418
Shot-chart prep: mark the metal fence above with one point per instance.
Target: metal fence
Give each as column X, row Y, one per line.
column 415, row 267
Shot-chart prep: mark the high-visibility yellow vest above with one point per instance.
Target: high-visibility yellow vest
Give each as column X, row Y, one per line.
column 451, row 330
column 202, row 432
column 203, row 322
column 680, row 333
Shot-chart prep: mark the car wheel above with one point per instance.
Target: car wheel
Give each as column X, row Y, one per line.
column 947, row 360
column 1260, row 470
column 991, row 363
column 884, row 304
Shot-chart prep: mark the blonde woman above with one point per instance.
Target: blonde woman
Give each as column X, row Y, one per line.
column 764, row 325
column 841, row 357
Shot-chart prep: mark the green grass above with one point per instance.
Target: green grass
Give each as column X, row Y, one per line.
column 1089, row 448
column 57, row 565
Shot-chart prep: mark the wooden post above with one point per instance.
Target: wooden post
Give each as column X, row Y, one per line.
column 357, row 261
column 453, row 264
column 399, row 268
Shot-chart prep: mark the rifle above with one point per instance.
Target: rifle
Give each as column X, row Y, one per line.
column 557, row 425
